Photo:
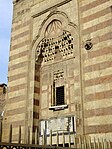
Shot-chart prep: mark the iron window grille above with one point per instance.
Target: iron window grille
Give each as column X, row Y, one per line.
column 60, row 95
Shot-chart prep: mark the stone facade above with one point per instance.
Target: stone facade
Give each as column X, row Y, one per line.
column 60, row 45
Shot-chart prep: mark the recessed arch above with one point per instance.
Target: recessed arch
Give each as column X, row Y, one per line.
column 65, row 25
column 66, row 32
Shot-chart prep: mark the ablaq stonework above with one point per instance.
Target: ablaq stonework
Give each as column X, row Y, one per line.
column 60, row 71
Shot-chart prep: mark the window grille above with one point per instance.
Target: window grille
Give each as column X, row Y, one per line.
column 60, row 95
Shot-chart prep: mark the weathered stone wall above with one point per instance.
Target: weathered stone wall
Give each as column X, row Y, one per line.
column 87, row 73
column 69, row 63
column 96, row 20
column 17, row 109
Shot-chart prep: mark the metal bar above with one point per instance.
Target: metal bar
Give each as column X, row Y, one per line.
column 1, row 132
column 94, row 144
column 69, row 140
column 105, row 144
column 102, row 144
column 98, row 144
column 74, row 141
column 36, row 136
column 84, row 142
column 28, row 135
column 109, row 145
column 63, row 139
column 50, row 137
column 90, row 145
column 10, row 134
column 43, row 138
column 19, row 139
column 80, row 142
column 51, row 95
column 25, row 146
column 57, row 138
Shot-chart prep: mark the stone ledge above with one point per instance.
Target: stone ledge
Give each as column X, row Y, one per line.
column 60, row 107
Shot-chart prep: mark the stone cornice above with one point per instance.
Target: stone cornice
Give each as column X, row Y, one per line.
column 50, row 8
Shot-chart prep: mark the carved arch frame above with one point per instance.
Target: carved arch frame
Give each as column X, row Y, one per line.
column 66, row 24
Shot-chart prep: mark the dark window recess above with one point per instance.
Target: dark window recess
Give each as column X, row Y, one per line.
column 60, row 95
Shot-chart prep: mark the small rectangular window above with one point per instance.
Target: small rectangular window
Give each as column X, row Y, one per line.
column 60, row 95
column 58, row 98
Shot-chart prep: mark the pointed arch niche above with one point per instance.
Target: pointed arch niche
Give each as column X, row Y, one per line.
column 55, row 48
column 56, row 32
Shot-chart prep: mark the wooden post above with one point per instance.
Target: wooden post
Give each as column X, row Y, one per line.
column 63, row 139
column 1, row 132
column 19, row 139
column 57, row 138
column 10, row 134
column 50, row 137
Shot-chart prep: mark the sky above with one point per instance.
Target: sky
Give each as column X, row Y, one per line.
column 5, row 35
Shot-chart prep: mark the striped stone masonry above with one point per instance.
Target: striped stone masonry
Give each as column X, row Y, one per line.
column 69, row 36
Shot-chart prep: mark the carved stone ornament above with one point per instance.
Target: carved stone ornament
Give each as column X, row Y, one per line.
column 88, row 44
column 58, row 75
column 56, row 41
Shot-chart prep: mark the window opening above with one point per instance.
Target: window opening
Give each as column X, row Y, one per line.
column 60, row 95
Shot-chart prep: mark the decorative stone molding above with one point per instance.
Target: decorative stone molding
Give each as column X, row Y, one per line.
column 51, row 47
column 88, row 44
column 58, row 75
column 56, row 38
